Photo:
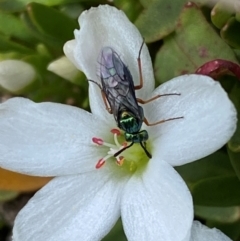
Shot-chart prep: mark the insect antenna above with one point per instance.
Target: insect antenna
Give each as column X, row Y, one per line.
column 119, row 152
column 146, row 151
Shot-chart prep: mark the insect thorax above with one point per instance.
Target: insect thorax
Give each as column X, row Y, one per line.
column 129, row 123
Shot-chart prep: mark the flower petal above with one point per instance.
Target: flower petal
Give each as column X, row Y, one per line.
column 81, row 207
column 68, row 50
column 96, row 101
column 48, row 139
column 106, row 26
column 98, row 107
column 209, row 119
column 157, row 205
column 203, row 233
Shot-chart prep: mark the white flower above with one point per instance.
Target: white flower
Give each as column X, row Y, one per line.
column 202, row 233
column 83, row 202
column 15, row 75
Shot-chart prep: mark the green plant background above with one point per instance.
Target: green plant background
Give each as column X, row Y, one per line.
column 181, row 37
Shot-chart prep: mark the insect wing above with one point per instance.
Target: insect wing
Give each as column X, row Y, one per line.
column 117, row 83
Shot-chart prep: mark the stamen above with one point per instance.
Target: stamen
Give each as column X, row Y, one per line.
column 113, row 149
column 116, row 140
column 100, row 142
column 120, row 160
column 116, row 131
column 124, row 144
column 100, row 163
column 97, row 141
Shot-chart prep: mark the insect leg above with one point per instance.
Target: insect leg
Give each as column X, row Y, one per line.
column 137, row 87
column 154, row 98
column 96, row 83
column 106, row 102
column 120, row 151
column 103, row 95
column 145, row 149
column 161, row 121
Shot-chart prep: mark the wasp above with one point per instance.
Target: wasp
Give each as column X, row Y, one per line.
column 118, row 93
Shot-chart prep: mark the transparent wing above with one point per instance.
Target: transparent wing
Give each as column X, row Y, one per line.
column 117, row 83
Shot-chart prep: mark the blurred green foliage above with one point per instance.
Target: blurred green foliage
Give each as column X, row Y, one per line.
column 181, row 36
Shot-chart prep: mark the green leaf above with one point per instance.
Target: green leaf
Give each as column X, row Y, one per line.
column 218, row 214
column 147, row 3
column 238, row 16
column 190, row 46
column 7, row 195
column 50, row 2
column 235, row 160
column 216, row 164
column 130, row 8
column 237, row 53
column 221, row 12
column 232, row 230
column 11, row 6
column 54, row 45
column 11, row 55
column 13, row 26
column 230, row 33
column 116, row 233
column 159, row 19
column 51, row 22
column 19, row 5
column 227, row 82
column 39, row 62
column 72, row 10
column 220, row 191
column 56, row 89
column 6, row 46
column 234, row 143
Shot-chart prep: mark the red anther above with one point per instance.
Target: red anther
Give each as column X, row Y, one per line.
column 100, row 163
column 97, row 141
column 116, row 131
column 120, row 161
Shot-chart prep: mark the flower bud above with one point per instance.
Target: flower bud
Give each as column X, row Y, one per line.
column 16, row 75
column 65, row 69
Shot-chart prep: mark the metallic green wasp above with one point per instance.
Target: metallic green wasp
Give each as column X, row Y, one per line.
column 118, row 92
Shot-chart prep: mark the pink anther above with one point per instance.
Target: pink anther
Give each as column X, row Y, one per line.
column 97, row 141
column 100, row 163
column 116, row 131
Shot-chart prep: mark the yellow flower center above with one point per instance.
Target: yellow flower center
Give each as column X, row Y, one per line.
column 127, row 156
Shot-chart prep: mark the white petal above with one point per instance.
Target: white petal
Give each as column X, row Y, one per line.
column 106, row 26
column 157, row 205
column 98, row 107
column 96, row 102
column 203, row 233
column 209, row 119
column 68, row 50
column 48, row 139
column 82, row 207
